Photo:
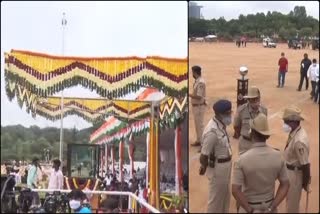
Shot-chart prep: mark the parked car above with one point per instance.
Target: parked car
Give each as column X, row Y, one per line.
column 295, row 44
column 269, row 43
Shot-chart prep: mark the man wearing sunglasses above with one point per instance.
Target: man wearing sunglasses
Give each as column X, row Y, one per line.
column 244, row 114
column 296, row 155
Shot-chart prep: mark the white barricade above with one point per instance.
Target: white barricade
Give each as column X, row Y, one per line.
column 130, row 194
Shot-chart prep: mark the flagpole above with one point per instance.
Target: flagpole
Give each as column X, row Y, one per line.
column 63, row 23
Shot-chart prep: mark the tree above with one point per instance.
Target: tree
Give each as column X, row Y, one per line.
column 299, row 12
column 306, row 32
column 257, row 24
column 198, row 27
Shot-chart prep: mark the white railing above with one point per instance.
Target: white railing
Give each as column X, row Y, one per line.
column 130, row 194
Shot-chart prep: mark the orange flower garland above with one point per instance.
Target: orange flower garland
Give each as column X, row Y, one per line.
column 75, row 184
column 85, row 186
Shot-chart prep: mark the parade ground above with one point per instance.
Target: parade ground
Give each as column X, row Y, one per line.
column 220, row 64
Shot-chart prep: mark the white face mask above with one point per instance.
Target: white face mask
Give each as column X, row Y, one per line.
column 227, row 120
column 74, row 204
column 286, row 128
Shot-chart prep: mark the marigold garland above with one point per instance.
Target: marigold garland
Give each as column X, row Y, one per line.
column 111, row 77
column 82, row 186
column 75, row 185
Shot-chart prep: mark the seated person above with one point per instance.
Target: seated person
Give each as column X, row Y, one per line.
column 77, row 201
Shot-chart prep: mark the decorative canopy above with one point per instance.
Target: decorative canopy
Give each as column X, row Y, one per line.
column 33, row 77
column 44, row 75
column 171, row 112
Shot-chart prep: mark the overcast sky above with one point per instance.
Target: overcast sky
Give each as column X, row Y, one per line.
column 232, row 9
column 93, row 29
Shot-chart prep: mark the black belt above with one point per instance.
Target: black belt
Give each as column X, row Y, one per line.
column 202, row 104
column 261, row 202
column 223, row 160
column 291, row 167
column 246, row 138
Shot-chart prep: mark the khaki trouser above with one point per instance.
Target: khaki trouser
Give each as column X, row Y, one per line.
column 219, row 187
column 258, row 208
column 244, row 145
column 295, row 190
column 198, row 114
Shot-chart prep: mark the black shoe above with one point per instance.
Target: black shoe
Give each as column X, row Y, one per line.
column 278, row 86
column 298, row 89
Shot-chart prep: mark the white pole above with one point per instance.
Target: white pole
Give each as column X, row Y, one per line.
column 106, row 158
column 177, row 186
column 63, row 23
column 147, row 161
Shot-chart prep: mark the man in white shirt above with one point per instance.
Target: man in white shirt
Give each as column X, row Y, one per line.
column 107, row 179
column 313, row 75
column 56, row 176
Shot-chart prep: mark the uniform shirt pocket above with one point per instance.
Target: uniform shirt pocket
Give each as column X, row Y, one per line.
column 222, row 147
column 245, row 127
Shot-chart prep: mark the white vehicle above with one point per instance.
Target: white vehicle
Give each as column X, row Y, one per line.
column 269, row 43
column 210, row 38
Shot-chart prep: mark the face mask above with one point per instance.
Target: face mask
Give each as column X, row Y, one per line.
column 74, row 204
column 255, row 106
column 286, row 128
column 227, row 120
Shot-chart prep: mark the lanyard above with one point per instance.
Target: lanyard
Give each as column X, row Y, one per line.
column 289, row 138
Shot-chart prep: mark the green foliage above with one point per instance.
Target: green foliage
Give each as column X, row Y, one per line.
column 21, row 143
column 255, row 25
column 18, row 142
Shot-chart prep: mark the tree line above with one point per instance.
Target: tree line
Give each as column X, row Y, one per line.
column 273, row 24
column 21, row 143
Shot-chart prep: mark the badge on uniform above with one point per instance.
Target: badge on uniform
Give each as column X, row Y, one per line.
column 301, row 151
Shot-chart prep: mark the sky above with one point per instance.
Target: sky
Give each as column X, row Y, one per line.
column 93, row 29
column 232, row 9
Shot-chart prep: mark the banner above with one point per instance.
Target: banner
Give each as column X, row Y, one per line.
column 45, row 75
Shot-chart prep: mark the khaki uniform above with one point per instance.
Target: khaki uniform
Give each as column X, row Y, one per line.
column 244, row 114
column 256, row 170
column 296, row 153
column 198, row 106
column 216, row 139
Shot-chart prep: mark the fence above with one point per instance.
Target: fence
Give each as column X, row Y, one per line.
column 133, row 199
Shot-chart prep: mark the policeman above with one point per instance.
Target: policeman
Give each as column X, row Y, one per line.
column 296, row 154
column 215, row 158
column 256, row 172
column 198, row 103
column 246, row 112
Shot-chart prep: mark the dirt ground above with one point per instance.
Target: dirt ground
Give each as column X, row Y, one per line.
column 220, row 64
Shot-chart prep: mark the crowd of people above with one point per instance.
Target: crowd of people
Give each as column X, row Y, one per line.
column 34, row 173
column 309, row 71
column 259, row 166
